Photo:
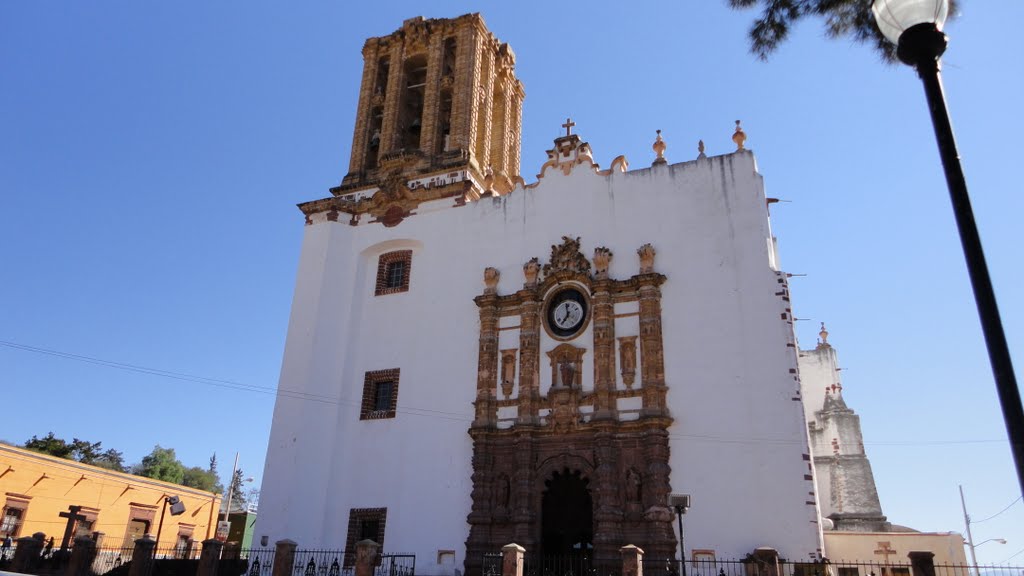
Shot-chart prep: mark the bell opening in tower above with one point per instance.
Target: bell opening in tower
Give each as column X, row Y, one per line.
column 411, row 121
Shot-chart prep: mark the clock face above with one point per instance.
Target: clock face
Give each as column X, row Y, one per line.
column 567, row 313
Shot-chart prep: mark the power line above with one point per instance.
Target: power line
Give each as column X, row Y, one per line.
column 410, row 410
column 998, row 513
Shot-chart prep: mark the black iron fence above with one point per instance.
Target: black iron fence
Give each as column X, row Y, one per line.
column 560, row 565
column 719, row 567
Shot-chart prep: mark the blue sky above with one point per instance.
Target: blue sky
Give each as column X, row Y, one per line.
column 151, row 155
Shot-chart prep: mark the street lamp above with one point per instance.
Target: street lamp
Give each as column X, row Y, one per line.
column 915, row 26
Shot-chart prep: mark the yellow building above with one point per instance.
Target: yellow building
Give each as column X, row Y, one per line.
column 37, row 488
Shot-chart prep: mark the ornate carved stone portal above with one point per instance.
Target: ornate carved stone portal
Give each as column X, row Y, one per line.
column 602, row 428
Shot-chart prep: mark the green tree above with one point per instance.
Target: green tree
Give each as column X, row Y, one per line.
column 196, row 477
column 111, row 460
column 239, row 500
column 162, row 464
column 843, row 18
column 50, row 445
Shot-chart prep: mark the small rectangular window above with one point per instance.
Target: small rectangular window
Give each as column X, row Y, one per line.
column 364, row 524
column 393, row 269
column 380, row 394
column 11, row 524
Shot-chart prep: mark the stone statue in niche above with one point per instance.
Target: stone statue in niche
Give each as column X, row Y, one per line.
column 566, row 374
column 602, row 257
column 502, row 493
column 508, row 371
column 530, row 270
column 634, row 486
column 491, row 277
column 627, row 359
column 646, row 253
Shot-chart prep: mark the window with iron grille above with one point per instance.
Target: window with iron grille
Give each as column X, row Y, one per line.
column 393, row 270
column 364, row 524
column 380, row 394
column 12, row 520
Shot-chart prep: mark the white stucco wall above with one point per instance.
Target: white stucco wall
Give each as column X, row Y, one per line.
column 739, row 440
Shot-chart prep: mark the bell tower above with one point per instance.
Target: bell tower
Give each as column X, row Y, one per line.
column 437, row 96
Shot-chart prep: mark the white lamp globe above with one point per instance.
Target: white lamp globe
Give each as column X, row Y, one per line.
column 895, row 16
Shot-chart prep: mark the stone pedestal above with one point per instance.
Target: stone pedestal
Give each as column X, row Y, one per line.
column 922, row 563
column 284, row 558
column 512, row 560
column 762, row 562
column 143, row 556
column 632, row 560
column 82, row 555
column 231, row 551
column 26, row 556
column 366, row 557
column 209, row 558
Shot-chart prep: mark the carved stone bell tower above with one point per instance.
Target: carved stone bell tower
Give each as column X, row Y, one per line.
column 437, row 96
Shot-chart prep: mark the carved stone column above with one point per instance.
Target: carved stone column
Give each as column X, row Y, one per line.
column 529, row 355
column 469, row 51
column 658, row 516
column 652, row 356
column 364, row 110
column 432, row 96
column 487, row 364
column 604, row 351
column 485, row 106
column 393, row 100
column 607, row 499
column 524, row 487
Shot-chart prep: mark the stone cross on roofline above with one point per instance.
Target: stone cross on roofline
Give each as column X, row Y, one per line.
column 568, row 126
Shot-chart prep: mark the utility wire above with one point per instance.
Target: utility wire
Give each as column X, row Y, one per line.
column 408, row 410
column 998, row 513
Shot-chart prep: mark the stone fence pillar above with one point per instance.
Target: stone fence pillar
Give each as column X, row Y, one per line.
column 512, row 560
column 82, row 556
column 143, row 556
column 284, row 558
column 366, row 557
column 209, row 557
column 97, row 537
column 922, row 563
column 232, row 551
column 26, row 556
column 632, row 560
column 762, row 561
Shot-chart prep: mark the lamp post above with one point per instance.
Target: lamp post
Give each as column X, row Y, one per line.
column 915, row 26
column 680, row 503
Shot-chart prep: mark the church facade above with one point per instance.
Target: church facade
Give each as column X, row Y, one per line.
column 473, row 360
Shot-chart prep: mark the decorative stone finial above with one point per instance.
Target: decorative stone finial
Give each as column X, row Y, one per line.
column 739, row 137
column 530, row 270
column 602, row 257
column 823, row 337
column 700, row 149
column 659, row 149
column 646, row 253
column 491, row 277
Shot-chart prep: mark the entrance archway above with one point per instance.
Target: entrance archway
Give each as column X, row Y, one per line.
column 567, row 515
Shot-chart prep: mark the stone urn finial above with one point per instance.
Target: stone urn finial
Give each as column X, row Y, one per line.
column 491, row 277
column 646, row 253
column 739, row 137
column 602, row 257
column 700, row 149
column 659, row 147
column 530, row 270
